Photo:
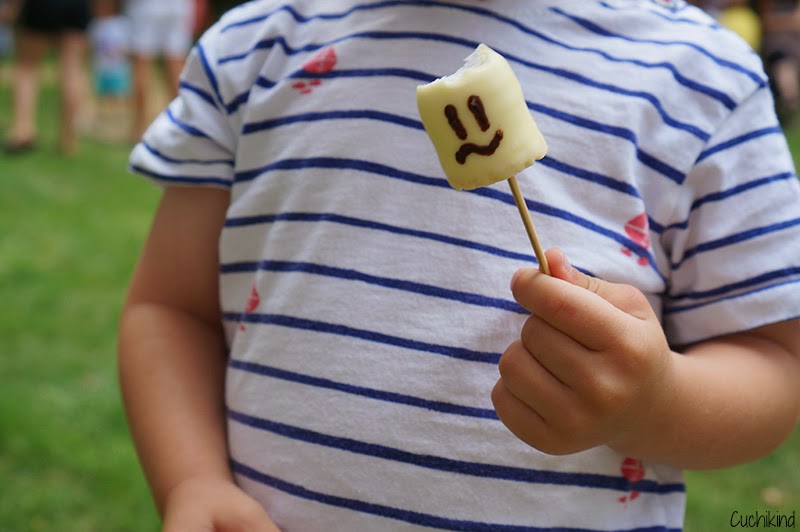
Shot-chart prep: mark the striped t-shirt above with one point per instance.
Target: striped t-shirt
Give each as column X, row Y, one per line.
column 366, row 303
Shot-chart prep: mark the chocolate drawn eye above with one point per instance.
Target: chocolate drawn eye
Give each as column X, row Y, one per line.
column 476, row 107
column 452, row 118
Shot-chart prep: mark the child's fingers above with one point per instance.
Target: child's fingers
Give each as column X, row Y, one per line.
column 523, row 421
column 624, row 297
column 582, row 315
column 593, row 312
column 566, row 359
column 532, row 383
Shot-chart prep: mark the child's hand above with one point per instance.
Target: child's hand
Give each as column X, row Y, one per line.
column 591, row 363
column 213, row 505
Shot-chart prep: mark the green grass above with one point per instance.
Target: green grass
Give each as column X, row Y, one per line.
column 71, row 230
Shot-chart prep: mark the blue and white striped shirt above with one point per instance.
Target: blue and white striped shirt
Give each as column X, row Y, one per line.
column 366, row 303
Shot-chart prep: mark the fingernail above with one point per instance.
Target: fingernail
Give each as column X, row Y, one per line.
column 567, row 265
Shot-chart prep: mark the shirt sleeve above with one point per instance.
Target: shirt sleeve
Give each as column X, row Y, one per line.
column 191, row 142
column 733, row 247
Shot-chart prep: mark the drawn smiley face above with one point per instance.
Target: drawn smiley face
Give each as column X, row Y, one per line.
column 475, row 106
column 479, row 123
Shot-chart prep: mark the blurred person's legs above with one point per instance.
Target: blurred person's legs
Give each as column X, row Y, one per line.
column 784, row 79
column 173, row 67
column 142, row 85
column 31, row 48
column 787, row 80
column 112, row 91
column 177, row 44
column 71, row 74
column 781, row 52
column 6, row 48
column 163, row 34
column 42, row 23
column 6, row 52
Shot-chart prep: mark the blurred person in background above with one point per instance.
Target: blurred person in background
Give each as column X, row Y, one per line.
column 741, row 17
column 109, row 36
column 42, row 25
column 160, row 29
column 737, row 15
column 202, row 17
column 6, row 46
column 781, row 52
column 6, row 37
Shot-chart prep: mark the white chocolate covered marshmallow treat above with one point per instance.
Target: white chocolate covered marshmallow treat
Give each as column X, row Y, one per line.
column 479, row 122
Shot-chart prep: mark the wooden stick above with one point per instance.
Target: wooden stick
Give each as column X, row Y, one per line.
column 526, row 219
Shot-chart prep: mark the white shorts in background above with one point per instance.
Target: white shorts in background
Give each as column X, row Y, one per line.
column 161, row 28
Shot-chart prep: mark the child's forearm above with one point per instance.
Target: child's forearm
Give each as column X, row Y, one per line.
column 172, row 376
column 733, row 400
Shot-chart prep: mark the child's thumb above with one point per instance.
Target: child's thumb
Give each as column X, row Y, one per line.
column 623, row 296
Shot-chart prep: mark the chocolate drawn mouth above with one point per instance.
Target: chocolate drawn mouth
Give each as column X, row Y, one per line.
column 469, row 148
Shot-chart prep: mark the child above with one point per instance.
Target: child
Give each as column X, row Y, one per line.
column 109, row 35
column 312, row 335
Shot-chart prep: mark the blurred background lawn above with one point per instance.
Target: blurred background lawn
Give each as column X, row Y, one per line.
column 71, row 230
